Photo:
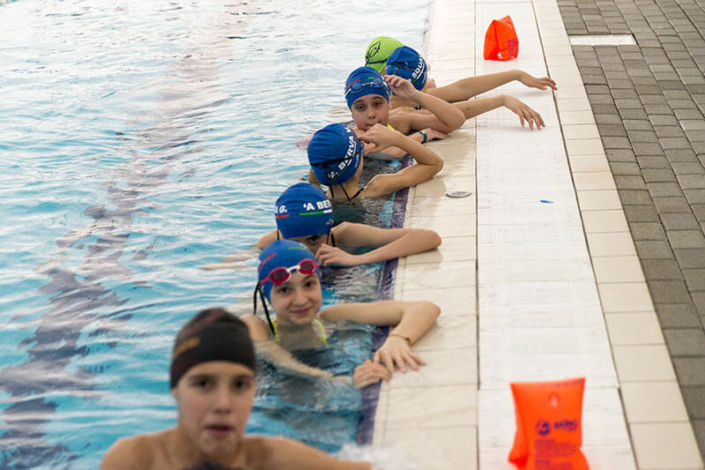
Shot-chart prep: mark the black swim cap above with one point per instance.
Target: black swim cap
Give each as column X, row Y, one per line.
column 212, row 335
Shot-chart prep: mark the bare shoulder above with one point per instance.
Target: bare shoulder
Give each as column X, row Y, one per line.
column 284, row 453
column 257, row 327
column 136, row 452
column 347, row 229
column 383, row 184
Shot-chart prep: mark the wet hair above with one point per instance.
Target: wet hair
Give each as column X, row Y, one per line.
column 212, row 335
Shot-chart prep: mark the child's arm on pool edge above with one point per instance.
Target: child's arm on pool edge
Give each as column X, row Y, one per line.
column 389, row 243
column 412, row 319
column 466, row 88
column 443, row 116
column 428, row 163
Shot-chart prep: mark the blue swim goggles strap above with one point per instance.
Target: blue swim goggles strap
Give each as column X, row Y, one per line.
column 258, row 289
column 376, row 82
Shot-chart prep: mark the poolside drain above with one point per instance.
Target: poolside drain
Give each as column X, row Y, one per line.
column 458, row 194
column 602, row 40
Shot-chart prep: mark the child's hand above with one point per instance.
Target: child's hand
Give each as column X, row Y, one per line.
column 524, row 112
column 396, row 352
column 380, row 135
column 369, row 373
column 327, row 255
column 401, row 87
column 533, row 82
column 302, row 142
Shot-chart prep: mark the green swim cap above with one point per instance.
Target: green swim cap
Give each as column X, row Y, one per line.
column 379, row 49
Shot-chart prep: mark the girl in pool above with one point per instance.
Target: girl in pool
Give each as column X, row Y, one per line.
column 336, row 158
column 405, row 61
column 368, row 97
column 212, row 377
column 288, row 280
column 368, row 93
column 304, row 214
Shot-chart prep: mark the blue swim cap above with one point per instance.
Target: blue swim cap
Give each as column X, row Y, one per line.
column 407, row 63
column 334, row 154
column 365, row 81
column 281, row 254
column 303, row 210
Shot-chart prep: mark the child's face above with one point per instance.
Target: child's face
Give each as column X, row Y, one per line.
column 369, row 110
column 298, row 300
column 215, row 399
column 312, row 242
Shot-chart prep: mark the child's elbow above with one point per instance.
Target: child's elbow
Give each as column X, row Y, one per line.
column 457, row 121
column 434, row 239
column 434, row 310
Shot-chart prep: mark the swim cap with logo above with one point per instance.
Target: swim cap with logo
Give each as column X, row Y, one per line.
column 407, row 63
column 303, row 210
column 212, row 335
column 280, row 254
column 378, row 51
column 365, row 81
column 334, row 154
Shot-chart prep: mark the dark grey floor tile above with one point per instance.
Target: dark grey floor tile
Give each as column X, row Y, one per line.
column 690, row 370
column 685, row 341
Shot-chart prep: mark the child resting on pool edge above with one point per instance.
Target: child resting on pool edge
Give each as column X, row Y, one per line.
column 407, row 63
column 288, row 280
column 212, row 379
column 336, row 157
column 303, row 213
column 382, row 47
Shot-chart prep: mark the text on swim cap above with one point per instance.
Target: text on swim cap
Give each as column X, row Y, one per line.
column 306, row 206
column 351, row 145
column 419, row 69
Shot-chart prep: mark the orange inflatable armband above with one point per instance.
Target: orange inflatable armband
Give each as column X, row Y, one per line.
column 501, row 42
column 549, row 431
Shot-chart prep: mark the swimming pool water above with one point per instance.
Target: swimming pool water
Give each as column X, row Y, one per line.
column 142, row 140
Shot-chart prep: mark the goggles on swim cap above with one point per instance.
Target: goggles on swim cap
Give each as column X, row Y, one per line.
column 359, row 84
column 281, row 274
column 365, row 81
column 277, row 262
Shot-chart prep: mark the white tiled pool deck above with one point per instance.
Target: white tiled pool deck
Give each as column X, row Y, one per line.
column 537, row 277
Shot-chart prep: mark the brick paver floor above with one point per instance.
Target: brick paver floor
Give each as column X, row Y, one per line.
column 649, row 103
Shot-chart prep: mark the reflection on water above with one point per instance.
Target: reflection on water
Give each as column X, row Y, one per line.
column 77, row 295
column 141, row 140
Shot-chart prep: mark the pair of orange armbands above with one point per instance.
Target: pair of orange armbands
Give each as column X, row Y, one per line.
column 501, row 41
column 549, row 431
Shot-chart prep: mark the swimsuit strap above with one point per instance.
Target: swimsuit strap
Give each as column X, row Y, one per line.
column 357, row 193
column 277, row 338
column 323, row 336
column 332, row 239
